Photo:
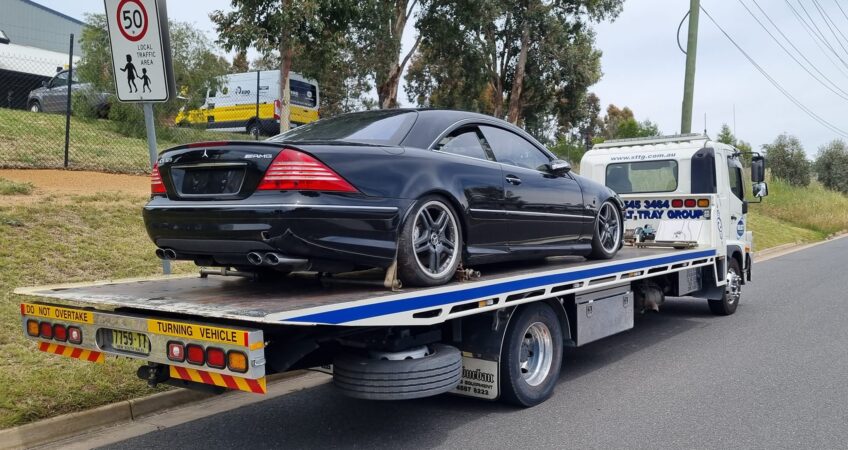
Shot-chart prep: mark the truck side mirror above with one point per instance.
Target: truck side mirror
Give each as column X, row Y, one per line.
column 760, row 189
column 758, row 169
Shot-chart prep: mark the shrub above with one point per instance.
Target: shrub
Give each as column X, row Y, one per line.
column 831, row 166
column 788, row 161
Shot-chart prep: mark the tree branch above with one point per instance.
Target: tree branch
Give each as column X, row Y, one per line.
column 409, row 11
column 411, row 52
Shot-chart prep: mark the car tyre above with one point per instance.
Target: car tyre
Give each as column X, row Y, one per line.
column 607, row 232
column 531, row 357
column 430, row 243
column 35, row 106
column 375, row 379
column 732, row 292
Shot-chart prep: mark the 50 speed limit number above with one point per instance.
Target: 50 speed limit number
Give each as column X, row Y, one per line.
column 132, row 18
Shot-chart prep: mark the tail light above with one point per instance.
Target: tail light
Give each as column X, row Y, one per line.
column 278, row 107
column 60, row 333
column 689, row 202
column 294, row 170
column 236, row 361
column 46, row 330
column 216, row 358
column 74, row 335
column 156, row 185
column 677, row 203
column 195, row 354
column 32, row 328
column 703, row 202
column 176, row 351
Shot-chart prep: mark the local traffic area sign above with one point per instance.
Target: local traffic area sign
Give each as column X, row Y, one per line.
column 141, row 50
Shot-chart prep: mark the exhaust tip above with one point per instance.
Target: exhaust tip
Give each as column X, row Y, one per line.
column 160, row 253
column 254, row 258
column 272, row 259
column 169, row 253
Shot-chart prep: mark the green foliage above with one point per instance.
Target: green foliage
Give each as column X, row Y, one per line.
column 788, row 161
column 620, row 123
column 725, row 136
column 831, row 166
column 240, row 64
column 569, row 150
column 9, row 187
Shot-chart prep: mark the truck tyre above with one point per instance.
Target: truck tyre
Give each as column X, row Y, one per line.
column 732, row 292
column 531, row 356
column 253, row 129
column 374, row 379
column 430, row 243
column 607, row 232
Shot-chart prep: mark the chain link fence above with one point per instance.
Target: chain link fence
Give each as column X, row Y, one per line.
column 51, row 118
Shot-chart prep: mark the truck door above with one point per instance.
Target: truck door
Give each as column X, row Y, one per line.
column 735, row 200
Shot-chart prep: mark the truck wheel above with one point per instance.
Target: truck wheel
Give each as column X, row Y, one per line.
column 732, row 292
column 437, row 372
column 253, row 130
column 531, row 357
column 35, row 106
column 430, row 243
column 607, row 232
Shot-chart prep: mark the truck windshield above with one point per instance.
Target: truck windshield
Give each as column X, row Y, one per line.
column 643, row 176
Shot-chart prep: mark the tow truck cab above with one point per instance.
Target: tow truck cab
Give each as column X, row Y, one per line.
column 651, row 174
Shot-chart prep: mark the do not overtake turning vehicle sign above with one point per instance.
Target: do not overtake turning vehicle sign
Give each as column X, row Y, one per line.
column 141, row 50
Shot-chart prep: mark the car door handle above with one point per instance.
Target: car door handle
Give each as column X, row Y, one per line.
column 512, row 179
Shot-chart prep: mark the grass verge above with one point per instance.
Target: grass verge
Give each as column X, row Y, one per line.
column 9, row 187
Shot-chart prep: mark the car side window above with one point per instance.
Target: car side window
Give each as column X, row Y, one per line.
column 464, row 142
column 510, row 148
column 734, row 174
column 61, row 79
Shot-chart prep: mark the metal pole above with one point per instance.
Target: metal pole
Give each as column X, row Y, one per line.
column 258, row 121
column 68, row 103
column 150, row 124
column 691, row 58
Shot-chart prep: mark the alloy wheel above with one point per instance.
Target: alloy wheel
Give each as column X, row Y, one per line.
column 435, row 239
column 609, row 227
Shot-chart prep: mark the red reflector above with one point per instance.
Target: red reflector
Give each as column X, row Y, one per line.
column 278, row 107
column 194, row 354
column 208, row 144
column 74, row 335
column 216, row 358
column 294, row 170
column 156, row 185
column 176, row 351
column 60, row 333
column 46, row 330
column 677, row 203
column 690, row 202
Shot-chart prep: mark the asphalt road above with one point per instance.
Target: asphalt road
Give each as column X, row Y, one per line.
column 774, row 375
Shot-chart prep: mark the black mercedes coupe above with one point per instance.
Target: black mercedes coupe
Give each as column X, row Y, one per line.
column 432, row 190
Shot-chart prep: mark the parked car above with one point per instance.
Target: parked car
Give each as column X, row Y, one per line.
column 432, row 189
column 52, row 96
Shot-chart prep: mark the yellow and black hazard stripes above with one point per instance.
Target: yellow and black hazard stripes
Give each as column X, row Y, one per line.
column 71, row 352
column 217, row 379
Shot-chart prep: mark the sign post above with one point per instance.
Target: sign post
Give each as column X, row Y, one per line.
column 141, row 60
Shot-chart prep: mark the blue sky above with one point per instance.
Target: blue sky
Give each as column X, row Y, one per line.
column 643, row 68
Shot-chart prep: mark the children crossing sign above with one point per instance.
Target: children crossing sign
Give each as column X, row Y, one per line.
column 141, row 50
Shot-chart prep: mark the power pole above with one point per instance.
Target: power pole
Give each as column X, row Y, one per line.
column 691, row 57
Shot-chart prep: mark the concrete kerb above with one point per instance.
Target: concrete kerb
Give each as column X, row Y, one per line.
column 69, row 425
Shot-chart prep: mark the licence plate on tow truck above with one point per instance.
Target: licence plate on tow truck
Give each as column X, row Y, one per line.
column 130, row 341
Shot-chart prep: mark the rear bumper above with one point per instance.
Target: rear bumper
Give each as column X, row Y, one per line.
column 362, row 235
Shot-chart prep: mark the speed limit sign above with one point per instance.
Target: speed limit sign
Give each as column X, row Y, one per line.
column 141, row 53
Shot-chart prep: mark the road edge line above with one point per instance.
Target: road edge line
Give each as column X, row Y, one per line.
column 787, row 249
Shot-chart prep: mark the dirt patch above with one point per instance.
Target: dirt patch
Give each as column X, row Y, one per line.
column 79, row 182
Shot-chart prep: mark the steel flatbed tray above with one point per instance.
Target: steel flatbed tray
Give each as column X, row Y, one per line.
column 312, row 300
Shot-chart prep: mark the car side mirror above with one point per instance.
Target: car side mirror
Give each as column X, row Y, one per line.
column 758, row 169
column 559, row 167
column 760, row 189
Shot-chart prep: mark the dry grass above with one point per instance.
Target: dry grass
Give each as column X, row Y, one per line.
column 9, row 187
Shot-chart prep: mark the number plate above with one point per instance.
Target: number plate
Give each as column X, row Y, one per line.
column 130, row 341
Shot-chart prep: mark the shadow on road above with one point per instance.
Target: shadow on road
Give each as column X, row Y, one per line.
column 320, row 417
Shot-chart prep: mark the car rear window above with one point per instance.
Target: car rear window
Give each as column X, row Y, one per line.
column 643, row 176
column 371, row 127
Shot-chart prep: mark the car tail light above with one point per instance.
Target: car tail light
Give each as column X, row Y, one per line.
column 157, row 187
column 677, row 203
column 60, row 333
column 32, row 327
column 237, row 361
column 703, row 203
column 46, row 330
column 195, row 354
column 689, row 202
column 294, row 170
column 74, row 335
column 216, row 358
column 176, row 351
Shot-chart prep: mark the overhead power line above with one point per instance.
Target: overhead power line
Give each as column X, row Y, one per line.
column 821, row 33
column 828, row 21
column 835, row 89
column 819, row 40
column 774, row 82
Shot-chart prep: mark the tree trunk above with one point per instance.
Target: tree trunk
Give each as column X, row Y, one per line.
column 497, row 97
column 388, row 76
column 285, row 67
column 515, row 102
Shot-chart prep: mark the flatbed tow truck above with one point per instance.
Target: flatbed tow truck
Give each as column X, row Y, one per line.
column 496, row 334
